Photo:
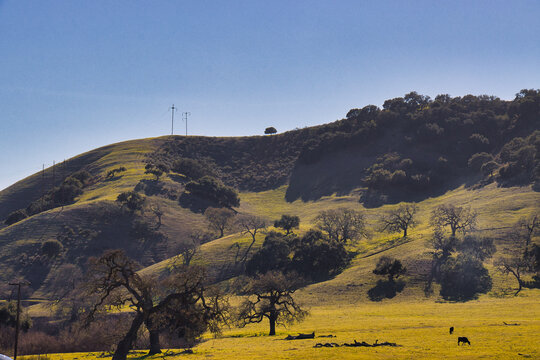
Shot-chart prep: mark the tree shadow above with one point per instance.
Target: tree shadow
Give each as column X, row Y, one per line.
column 157, row 188
column 385, row 289
column 194, row 203
column 181, row 179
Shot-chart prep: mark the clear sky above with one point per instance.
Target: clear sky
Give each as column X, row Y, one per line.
column 76, row 75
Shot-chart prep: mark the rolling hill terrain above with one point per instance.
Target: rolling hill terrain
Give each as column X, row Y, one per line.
column 475, row 151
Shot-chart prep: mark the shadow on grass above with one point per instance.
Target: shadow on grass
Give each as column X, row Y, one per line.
column 385, row 289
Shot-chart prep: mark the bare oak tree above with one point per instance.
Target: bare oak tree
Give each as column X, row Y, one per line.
column 270, row 297
column 531, row 227
column 219, row 219
column 250, row 225
column 112, row 280
column 400, row 219
column 156, row 210
column 342, row 225
column 515, row 264
column 520, row 259
column 457, row 218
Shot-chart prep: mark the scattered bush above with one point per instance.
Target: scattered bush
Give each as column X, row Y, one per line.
column 52, row 248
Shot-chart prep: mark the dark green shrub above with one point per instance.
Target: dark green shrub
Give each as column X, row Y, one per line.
column 191, row 168
column 15, row 217
column 273, row 255
column 132, row 200
column 316, row 257
column 463, row 278
column 214, row 190
column 52, row 248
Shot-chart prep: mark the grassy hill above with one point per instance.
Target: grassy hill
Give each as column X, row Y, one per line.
column 372, row 161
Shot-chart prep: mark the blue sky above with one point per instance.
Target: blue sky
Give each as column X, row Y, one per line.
column 76, row 75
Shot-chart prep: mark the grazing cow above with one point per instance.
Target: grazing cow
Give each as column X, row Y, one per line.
column 463, row 340
column 451, row 330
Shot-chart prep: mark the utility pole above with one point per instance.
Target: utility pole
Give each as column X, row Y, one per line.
column 18, row 315
column 172, row 119
column 42, row 187
column 53, row 180
column 185, row 116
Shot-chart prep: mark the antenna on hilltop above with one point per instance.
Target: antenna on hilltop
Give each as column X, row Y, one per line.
column 184, row 117
column 172, row 118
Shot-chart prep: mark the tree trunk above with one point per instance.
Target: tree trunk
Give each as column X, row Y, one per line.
column 518, row 278
column 405, row 232
column 155, row 347
column 272, row 319
column 127, row 342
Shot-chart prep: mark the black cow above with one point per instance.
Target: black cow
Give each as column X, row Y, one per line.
column 451, row 330
column 463, row 340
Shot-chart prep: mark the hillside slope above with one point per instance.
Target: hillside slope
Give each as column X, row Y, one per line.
column 414, row 149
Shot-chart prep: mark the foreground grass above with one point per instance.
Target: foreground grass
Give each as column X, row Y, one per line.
column 421, row 328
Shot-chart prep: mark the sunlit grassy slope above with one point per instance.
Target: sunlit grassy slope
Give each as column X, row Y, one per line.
column 498, row 208
column 421, row 328
column 339, row 306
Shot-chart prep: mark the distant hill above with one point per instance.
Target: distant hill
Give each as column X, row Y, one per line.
column 413, row 149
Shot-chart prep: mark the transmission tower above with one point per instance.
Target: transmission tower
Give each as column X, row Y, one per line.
column 173, row 109
column 184, row 117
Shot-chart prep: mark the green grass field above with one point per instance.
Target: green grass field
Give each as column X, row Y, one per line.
column 419, row 327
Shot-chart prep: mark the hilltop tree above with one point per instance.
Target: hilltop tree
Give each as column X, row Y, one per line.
column 178, row 302
column 219, row 219
column 287, row 223
column 270, row 130
column 270, row 297
column 400, row 219
column 457, row 218
column 342, row 225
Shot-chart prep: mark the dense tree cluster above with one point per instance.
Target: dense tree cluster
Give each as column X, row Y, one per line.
column 214, row 190
column 458, row 262
column 191, row 168
column 315, row 256
column 64, row 194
